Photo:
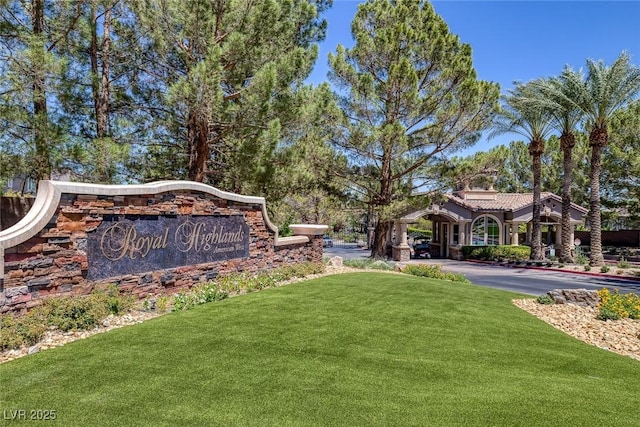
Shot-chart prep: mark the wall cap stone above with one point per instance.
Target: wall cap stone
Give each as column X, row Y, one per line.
column 292, row 240
column 308, row 229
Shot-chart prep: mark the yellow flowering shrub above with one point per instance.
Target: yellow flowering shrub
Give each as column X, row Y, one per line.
column 614, row 306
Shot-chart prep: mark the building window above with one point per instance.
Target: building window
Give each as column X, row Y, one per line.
column 455, row 238
column 485, row 231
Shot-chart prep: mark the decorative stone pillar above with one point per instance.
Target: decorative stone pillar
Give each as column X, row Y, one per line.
column 463, row 234
column 573, row 236
column 401, row 251
column 529, row 231
column 314, row 233
column 514, row 233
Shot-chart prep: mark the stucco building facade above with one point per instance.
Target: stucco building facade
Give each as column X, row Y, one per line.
column 480, row 217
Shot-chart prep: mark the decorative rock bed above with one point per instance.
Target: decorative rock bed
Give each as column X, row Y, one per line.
column 619, row 336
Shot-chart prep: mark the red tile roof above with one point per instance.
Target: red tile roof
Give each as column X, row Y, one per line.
column 506, row 201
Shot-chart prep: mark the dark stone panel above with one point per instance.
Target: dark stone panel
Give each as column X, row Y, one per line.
column 152, row 243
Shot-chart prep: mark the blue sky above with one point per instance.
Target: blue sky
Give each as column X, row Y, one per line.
column 517, row 40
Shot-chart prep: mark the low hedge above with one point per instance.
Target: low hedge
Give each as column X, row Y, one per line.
column 506, row 252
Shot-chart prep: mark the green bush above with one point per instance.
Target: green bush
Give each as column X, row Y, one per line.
column 418, row 233
column 197, row 295
column 587, row 267
column 242, row 282
column 368, row 264
column 581, row 259
column 604, row 269
column 115, row 302
column 505, row 252
column 545, row 299
column 623, row 263
column 21, row 331
column 74, row 313
column 433, row 272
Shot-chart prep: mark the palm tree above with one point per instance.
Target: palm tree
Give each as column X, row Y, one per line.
column 605, row 91
column 559, row 95
column 524, row 117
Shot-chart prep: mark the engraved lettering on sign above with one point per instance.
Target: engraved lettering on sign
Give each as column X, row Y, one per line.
column 127, row 246
column 190, row 236
column 122, row 240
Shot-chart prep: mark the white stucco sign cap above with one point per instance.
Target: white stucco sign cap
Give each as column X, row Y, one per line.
column 308, row 229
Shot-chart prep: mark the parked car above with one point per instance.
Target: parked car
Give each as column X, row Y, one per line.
column 421, row 249
column 327, row 242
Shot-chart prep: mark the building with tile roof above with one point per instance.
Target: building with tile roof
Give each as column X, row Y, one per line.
column 481, row 217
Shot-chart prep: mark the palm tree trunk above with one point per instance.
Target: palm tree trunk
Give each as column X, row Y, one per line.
column 597, row 139
column 567, row 141
column 536, row 236
column 536, row 148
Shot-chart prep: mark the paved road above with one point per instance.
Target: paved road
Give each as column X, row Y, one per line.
column 523, row 280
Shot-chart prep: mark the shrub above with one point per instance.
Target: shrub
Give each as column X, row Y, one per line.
column 623, row 263
column 434, row 272
column 74, row 313
column 115, row 302
column 545, row 299
column 508, row 252
column 587, row 267
column 604, row 269
column 614, row 306
column 242, row 282
column 368, row 263
column 21, row 331
column 581, row 259
column 201, row 294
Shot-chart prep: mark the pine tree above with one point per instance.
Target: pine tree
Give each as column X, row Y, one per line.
column 410, row 94
column 219, row 79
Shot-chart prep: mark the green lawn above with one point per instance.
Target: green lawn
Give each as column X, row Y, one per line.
column 355, row 349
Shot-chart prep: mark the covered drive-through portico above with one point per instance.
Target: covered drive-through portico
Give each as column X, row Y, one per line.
column 484, row 218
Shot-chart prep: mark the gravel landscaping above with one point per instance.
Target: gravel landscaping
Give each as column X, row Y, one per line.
column 619, row 336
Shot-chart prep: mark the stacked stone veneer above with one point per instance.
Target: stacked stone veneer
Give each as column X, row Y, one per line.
column 54, row 262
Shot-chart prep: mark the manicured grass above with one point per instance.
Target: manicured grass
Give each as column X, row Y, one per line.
column 354, row 349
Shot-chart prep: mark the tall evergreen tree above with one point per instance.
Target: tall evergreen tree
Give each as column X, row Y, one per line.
column 219, row 79
column 95, row 91
column 409, row 94
column 30, row 35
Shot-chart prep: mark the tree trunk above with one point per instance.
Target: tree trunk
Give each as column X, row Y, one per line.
column 197, row 136
column 567, row 141
column 536, row 148
column 100, row 56
column 40, row 116
column 383, row 198
column 102, row 106
column 597, row 139
column 379, row 248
